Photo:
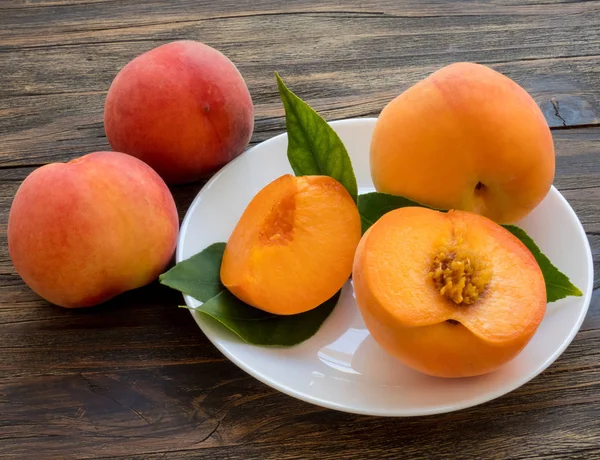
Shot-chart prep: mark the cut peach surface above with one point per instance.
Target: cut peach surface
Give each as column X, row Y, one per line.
column 449, row 294
column 294, row 245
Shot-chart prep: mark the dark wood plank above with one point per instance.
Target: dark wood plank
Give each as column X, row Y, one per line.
column 139, row 329
column 550, row 49
column 217, row 411
column 135, row 378
column 30, row 134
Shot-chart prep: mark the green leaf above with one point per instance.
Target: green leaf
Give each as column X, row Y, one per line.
column 314, row 148
column 372, row 206
column 199, row 276
column 257, row 327
column 558, row 285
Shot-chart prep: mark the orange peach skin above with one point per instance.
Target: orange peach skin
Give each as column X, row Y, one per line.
column 82, row 232
column 466, row 137
column 293, row 247
column 407, row 315
column 183, row 108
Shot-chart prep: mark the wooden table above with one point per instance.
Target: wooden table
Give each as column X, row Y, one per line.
column 136, row 378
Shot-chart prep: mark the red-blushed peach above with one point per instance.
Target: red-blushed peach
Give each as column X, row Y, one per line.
column 183, row 108
column 81, row 232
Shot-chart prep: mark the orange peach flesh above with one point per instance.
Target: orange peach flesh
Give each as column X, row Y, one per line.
column 293, row 247
column 406, row 303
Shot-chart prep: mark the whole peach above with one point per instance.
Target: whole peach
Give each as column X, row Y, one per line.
column 81, row 232
column 183, row 108
column 466, row 137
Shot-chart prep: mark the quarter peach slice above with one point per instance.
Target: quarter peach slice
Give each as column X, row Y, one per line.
column 294, row 245
column 449, row 294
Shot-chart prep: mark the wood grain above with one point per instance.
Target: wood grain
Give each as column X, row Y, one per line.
column 135, row 378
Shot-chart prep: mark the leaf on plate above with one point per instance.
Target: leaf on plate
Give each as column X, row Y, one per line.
column 257, row 327
column 558, row 285
column 314, row 148
column 372, row 206
column 199, row 276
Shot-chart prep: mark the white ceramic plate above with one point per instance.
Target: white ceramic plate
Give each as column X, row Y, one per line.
column 342, row 367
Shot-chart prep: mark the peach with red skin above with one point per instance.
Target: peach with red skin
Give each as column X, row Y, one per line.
column 82, row 232
column 182, row 107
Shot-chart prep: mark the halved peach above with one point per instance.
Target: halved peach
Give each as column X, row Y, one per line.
column 294, row 245
column 449, row 294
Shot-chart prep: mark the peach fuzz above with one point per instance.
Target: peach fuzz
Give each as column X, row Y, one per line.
column 79, row 233
column 448, row 294
column 293, row 247
column 466, row 137
column 182, row 107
